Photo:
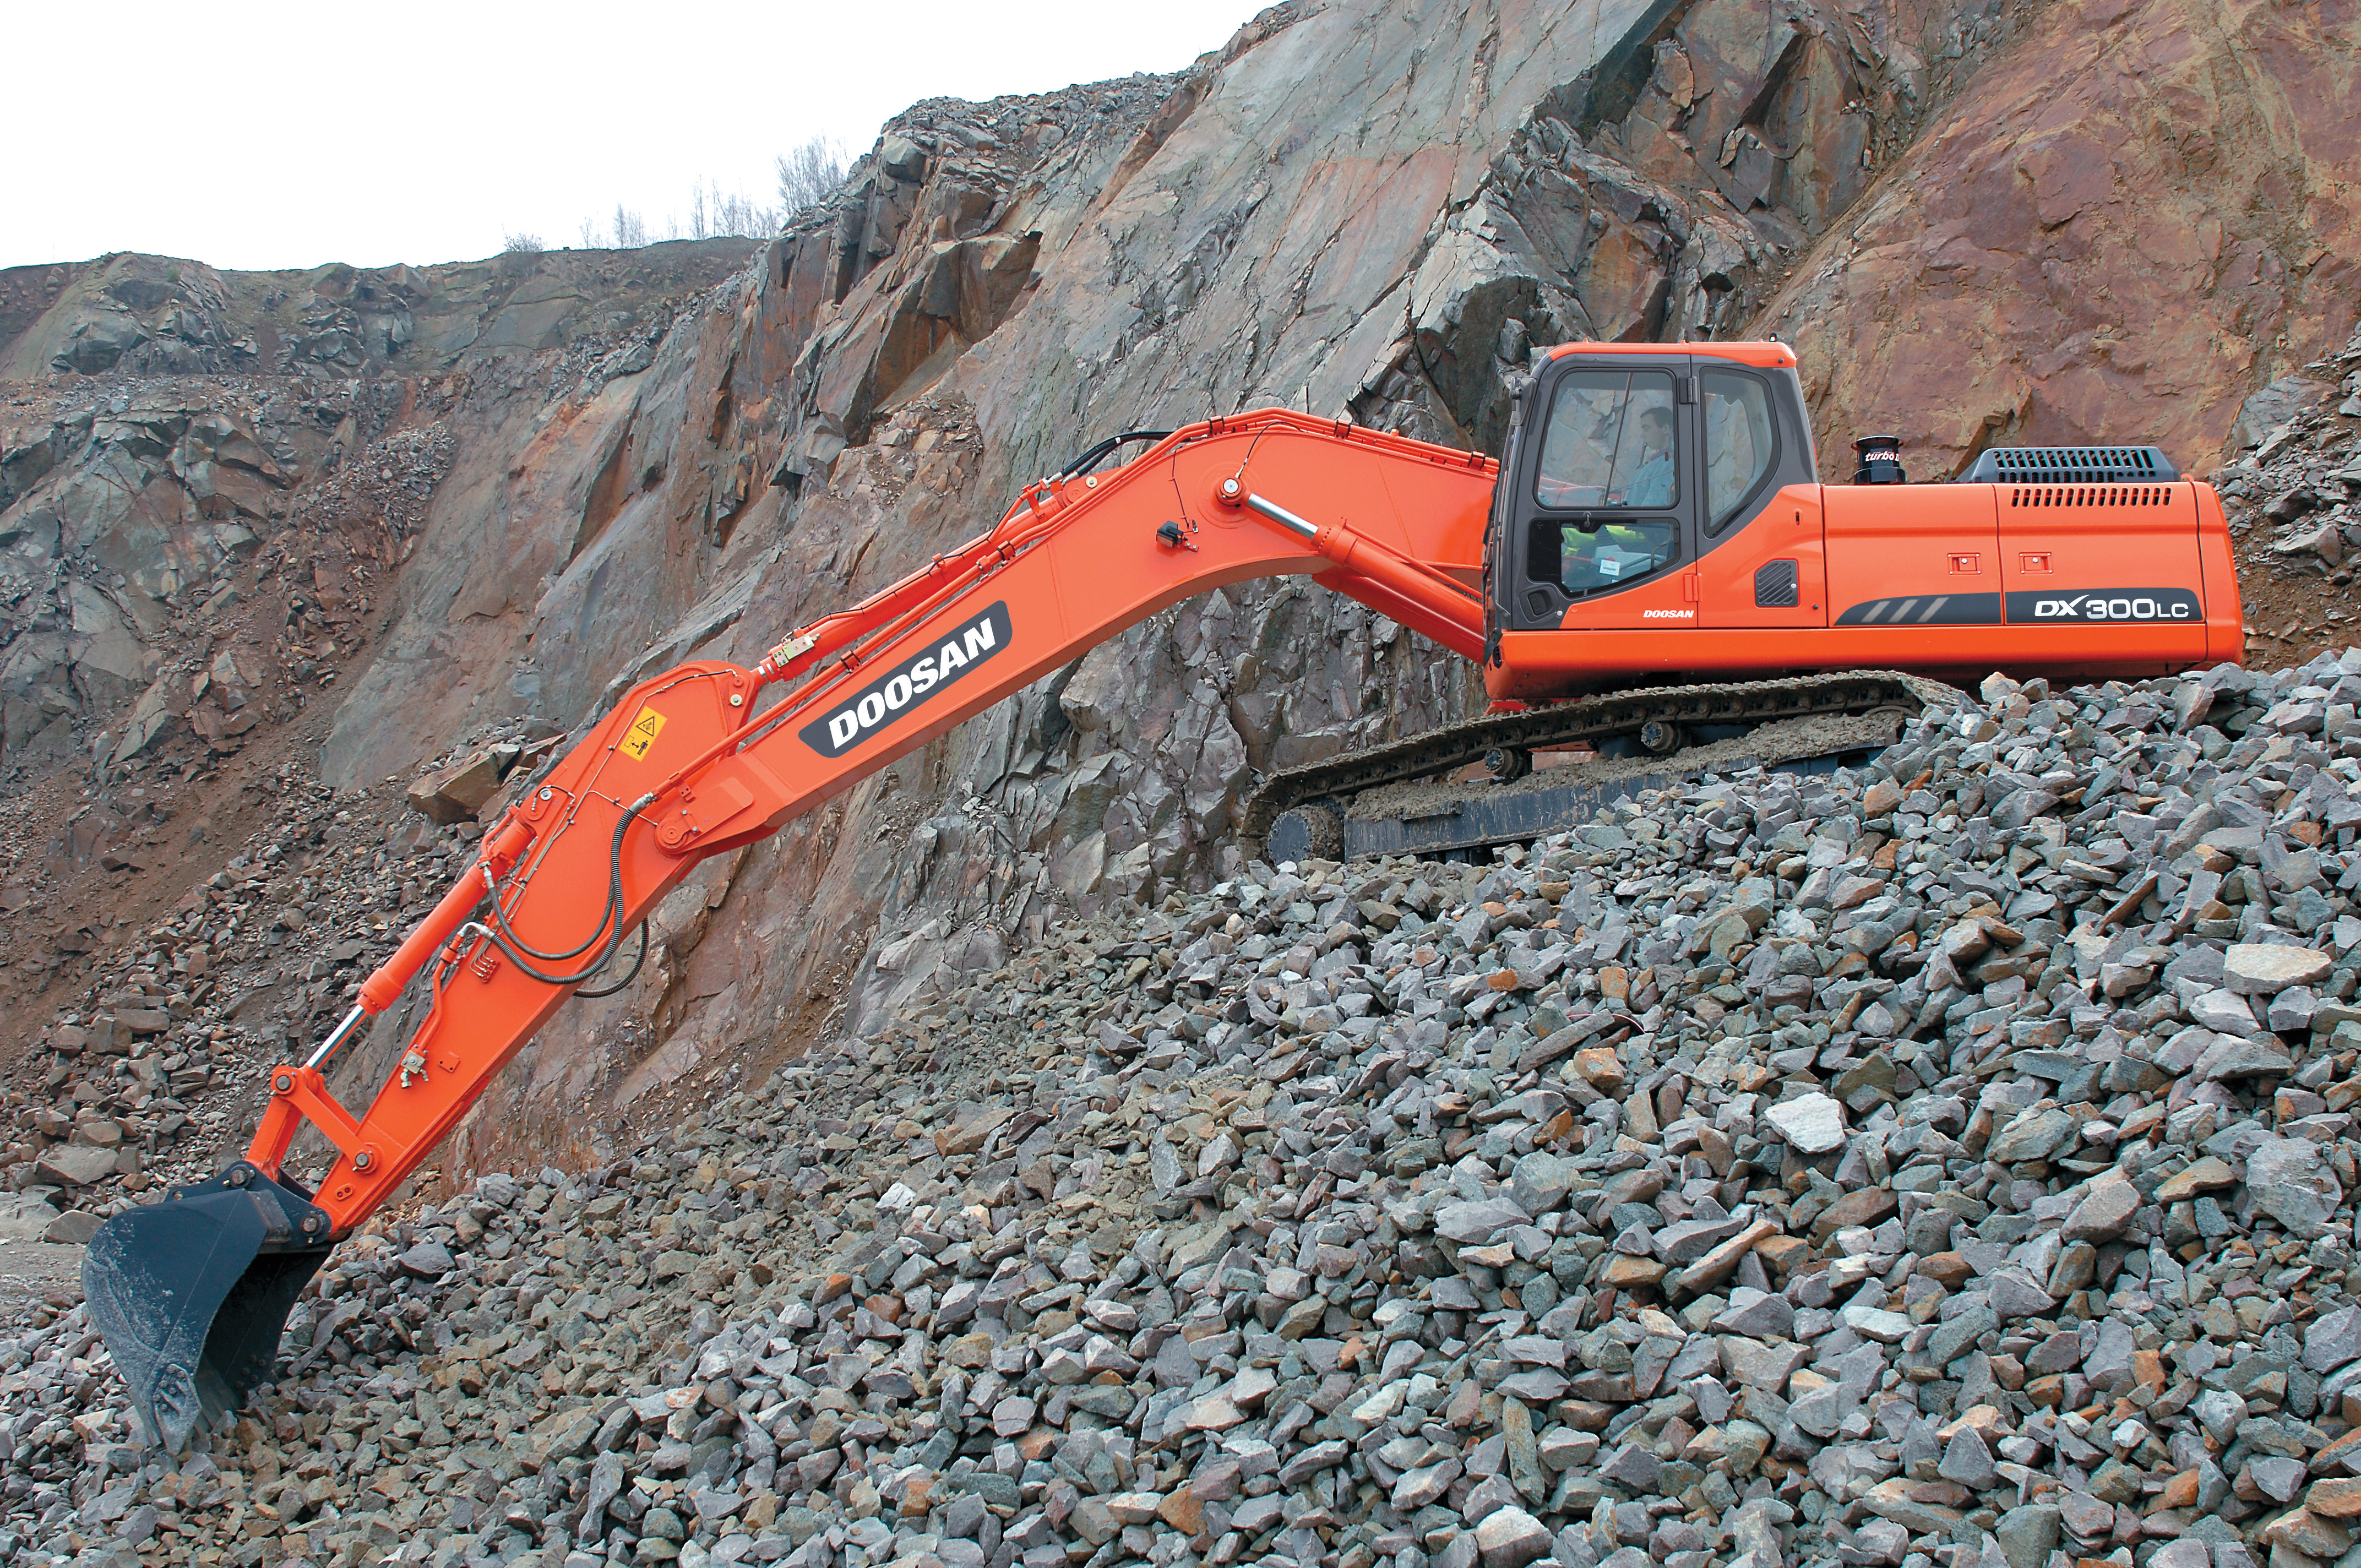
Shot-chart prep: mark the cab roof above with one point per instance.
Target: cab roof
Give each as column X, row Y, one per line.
column 1766, row 354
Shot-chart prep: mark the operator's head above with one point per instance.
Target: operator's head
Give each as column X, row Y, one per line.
column 1656, row 429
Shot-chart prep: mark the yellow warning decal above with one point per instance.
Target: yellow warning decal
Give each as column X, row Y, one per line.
column 642, row 734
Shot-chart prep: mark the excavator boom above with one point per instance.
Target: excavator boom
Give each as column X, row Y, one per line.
column 191, row 1292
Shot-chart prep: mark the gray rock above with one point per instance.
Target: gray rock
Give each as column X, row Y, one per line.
column 1631, row 1466
column 1758, row 1364
column 1540, row 1182
column 1511, row 1537
column 2034, row 1134
column 2105, row 1211
column 77, row 1165
column 1478, row 1222
column 2114, row 1350
column 1967, row 1461
column 1876, row 1323
column 1953, row 1336
column 2224, row 1012
column 2219, row 1411
column 2289, row 1180
column 2278, row 1478
column 1756, row 1314
column 2028, row 1534
column 2293, row 1010
column 2256, row 1056
column 73, row 1228
column 2334, row 1340
column 1811, row 1124
column 426, row 1260
column 2253, row 969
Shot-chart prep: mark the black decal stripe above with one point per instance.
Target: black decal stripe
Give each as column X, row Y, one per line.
column 1942, row 609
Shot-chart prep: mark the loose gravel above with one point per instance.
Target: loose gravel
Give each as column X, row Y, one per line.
column 1943, row 1162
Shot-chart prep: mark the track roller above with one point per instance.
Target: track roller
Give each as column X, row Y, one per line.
column 1508, row 763
column 1313, row 830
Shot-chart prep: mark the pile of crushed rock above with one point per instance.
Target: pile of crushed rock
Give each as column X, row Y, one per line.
column 1943, row 1162
column 2301, row 473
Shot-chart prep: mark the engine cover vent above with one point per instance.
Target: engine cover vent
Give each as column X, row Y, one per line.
column 2093, row 496
column 2071, row 465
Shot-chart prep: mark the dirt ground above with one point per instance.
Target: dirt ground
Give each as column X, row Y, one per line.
column 2292, row 615
column 32, row 1269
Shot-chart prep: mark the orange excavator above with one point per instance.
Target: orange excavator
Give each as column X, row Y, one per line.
column 1651, row 565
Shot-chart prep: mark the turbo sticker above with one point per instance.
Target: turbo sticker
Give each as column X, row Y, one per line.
column 910, row 683
column 642, row 734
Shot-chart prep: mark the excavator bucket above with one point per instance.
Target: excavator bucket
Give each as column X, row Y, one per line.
column 190, row 1294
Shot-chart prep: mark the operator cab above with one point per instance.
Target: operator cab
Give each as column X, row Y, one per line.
column 1630, row 466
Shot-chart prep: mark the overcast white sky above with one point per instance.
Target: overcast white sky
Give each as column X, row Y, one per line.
column 264, row 136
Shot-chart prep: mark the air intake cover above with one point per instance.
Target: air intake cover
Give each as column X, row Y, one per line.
column 1774, row 586
column 2071, row 465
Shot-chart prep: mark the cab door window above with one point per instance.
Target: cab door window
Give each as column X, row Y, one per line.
column 1610, row 442
column 1740, row 444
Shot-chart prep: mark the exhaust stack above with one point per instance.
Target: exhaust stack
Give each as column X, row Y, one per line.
column 1880, row 460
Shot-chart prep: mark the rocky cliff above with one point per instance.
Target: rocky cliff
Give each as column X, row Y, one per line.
column 615, row 462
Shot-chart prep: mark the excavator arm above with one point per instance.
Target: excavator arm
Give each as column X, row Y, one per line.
column 190, row 1293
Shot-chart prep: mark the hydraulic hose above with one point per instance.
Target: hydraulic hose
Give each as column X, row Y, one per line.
column 499, row 920
column 1090, row 459
column 630, row 975
column 526, row 968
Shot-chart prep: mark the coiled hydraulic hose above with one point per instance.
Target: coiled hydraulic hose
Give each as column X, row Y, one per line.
column 630, row 975
column 501, row 935
column 499, row 920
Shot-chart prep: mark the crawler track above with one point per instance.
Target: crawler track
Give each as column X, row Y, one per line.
column 1335, row 783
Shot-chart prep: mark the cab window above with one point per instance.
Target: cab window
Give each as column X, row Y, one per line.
column 1609, row 441
column 1614, row 554
column 1739, row 444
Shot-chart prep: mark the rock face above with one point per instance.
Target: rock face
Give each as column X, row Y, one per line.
column 224, row 421
column 2126, row 223
column 2287, row 491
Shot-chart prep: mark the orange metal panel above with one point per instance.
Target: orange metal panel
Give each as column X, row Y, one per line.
column 1764, row 355
column 1788, row 529
column 2226, row 628
column 2105, row 556
column 1912, row 554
